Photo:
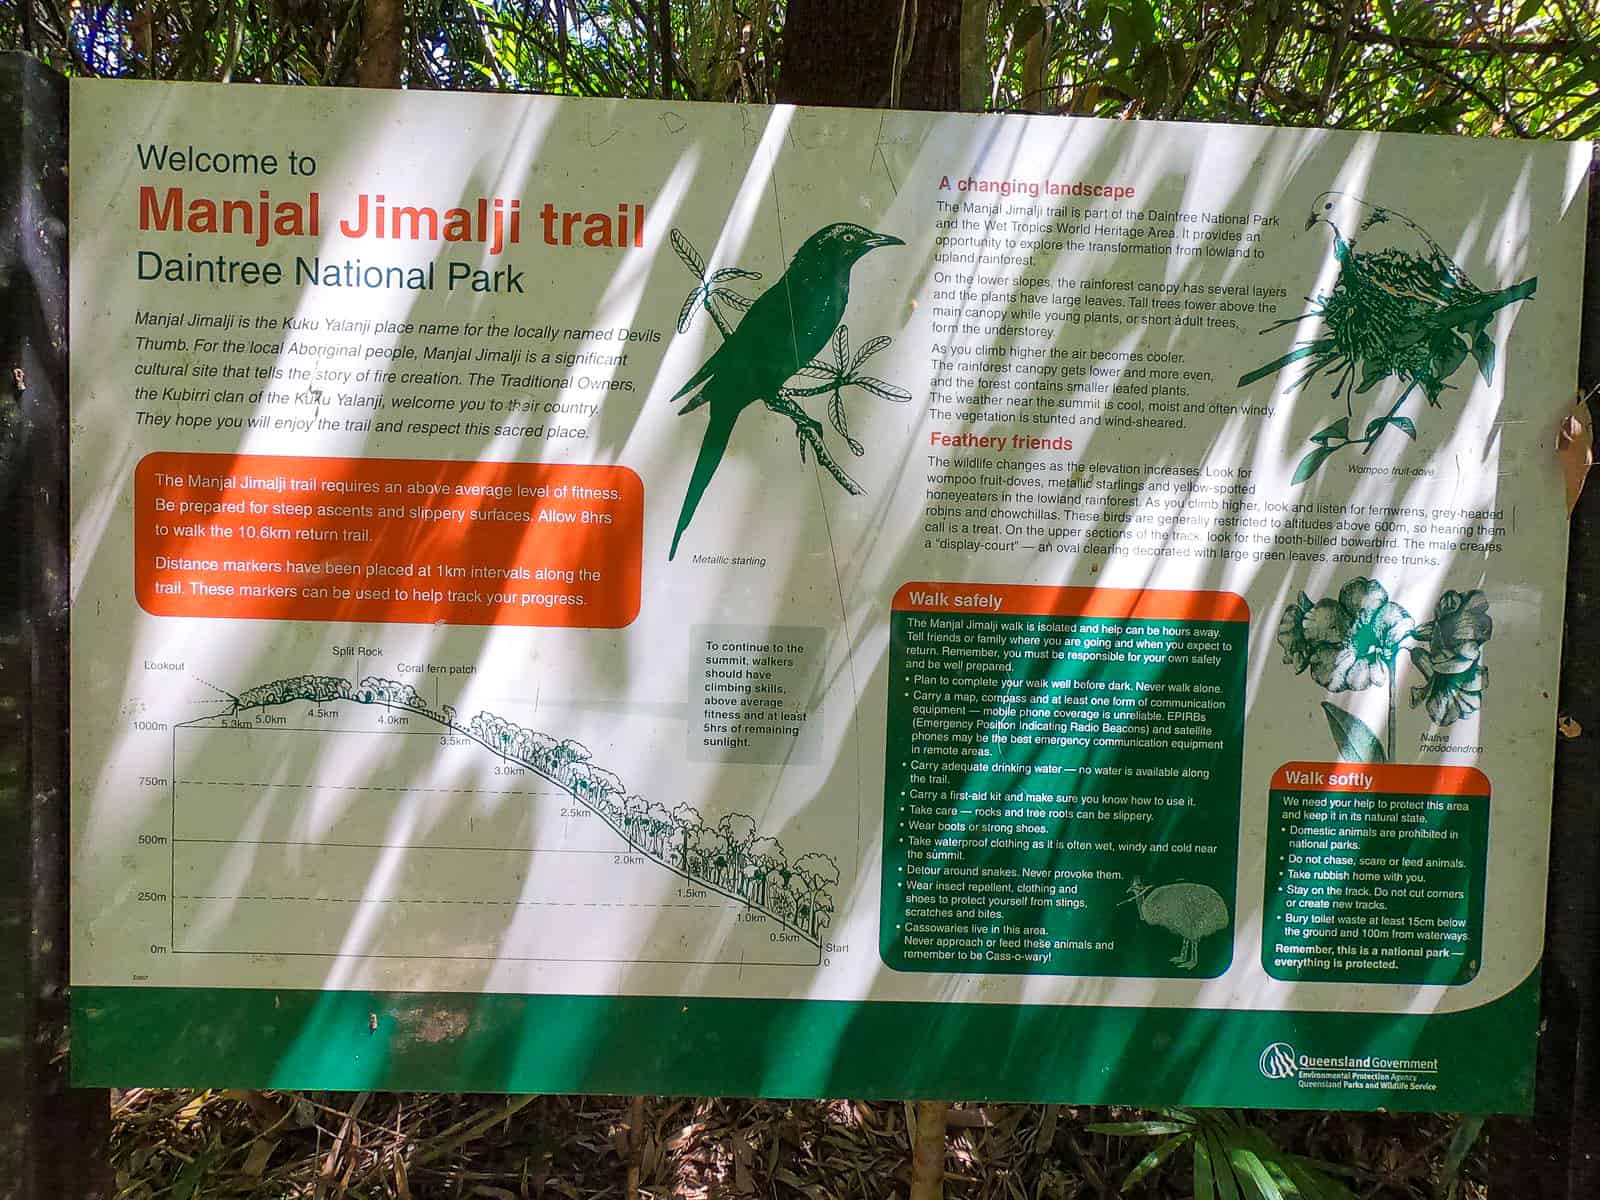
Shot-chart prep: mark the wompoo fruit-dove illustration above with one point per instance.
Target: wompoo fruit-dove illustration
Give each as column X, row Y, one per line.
column 1193, row 911
column 1401, row 308
column 786, row 327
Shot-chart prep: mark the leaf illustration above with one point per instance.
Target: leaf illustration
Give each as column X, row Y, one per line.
column 686, row 313
column 1278, row 364
column 722, row 274
column 1483, row 351
column 742, row 303
column 836, row 414
column 1404, row 424
column 886, row 391
column 841, row 347
column 1353, row 737
column 1340, row 429
column 690, row 256
column 1309, row 464
column 881, row 342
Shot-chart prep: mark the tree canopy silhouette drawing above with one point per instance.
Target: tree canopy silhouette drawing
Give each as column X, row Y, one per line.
column 729, row 856
column 779, row 337
column 1402, row 310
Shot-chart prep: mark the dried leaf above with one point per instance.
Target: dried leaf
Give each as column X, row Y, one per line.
column 1046, row 1133
column 1575, row 450
column 744, row 1183
column 191, row 1110
column 256, row 1161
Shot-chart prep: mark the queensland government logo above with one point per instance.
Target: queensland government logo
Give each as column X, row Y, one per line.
column 1278, row 1061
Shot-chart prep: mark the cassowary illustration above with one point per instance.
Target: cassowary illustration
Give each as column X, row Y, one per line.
column 1193, row 911
column 1401, row 308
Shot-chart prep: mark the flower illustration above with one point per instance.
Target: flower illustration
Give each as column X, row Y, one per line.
column 1353, row 641
column 1297, row 647
column 1451, row 657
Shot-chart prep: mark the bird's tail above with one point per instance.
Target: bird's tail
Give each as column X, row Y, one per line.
column 712, row 448
column 1318, row 347
column 1479, row 309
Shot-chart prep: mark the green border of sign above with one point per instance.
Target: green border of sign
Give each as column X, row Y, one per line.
column 466, row 1042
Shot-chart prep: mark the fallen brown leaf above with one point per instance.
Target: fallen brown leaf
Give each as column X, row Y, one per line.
column 256, row 1161
column 1575, row 451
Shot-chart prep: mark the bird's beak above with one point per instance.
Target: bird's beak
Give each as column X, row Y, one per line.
column 883, row 239
column 1310, row 221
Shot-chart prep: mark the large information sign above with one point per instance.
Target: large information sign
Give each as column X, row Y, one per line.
column 668, row 598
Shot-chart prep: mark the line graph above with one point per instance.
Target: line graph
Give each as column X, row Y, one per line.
column 316, row 816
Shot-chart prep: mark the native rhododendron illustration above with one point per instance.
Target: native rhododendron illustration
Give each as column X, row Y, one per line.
column 1357, row 640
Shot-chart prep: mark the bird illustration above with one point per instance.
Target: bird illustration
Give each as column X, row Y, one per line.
column 1191, row 910
column 1400, row 308
column 783, row 331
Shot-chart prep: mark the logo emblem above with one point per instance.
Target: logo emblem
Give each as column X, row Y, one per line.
column 1278, row 1061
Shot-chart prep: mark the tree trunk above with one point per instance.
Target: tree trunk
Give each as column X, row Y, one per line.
column 143, row 32
column 1033, row 63
column 975, row 77
column 847, row 52
column 927, row 1150
column 382, row 44
column 856, row 52
column 664, row 33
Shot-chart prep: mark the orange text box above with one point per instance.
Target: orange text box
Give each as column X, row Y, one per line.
column 1404, row 779
column 386, row 539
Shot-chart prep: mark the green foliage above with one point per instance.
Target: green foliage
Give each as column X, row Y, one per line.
column 1232, row 1159
column 717, row 49
column 1455, row 1157
column 1529, row 69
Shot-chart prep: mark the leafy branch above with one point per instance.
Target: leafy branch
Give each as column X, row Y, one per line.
column 1231, row 1157
column 713, row 289
column 1337, row 437
column 842, row 372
